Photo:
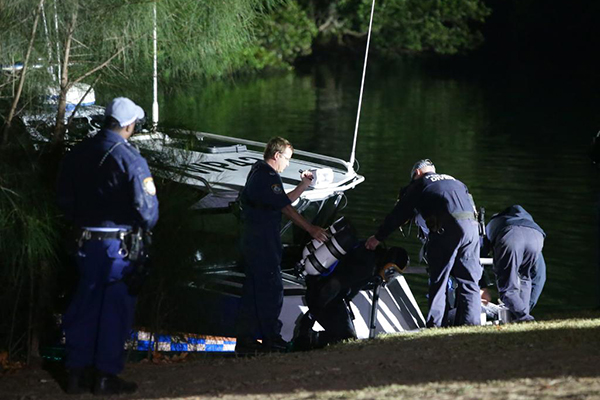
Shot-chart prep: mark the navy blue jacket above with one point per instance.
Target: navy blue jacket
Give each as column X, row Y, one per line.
column 433, row 195
column 512, row 216
column 105, row 182
column 263, row 196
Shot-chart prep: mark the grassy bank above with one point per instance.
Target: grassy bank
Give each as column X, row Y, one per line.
column 556, row 359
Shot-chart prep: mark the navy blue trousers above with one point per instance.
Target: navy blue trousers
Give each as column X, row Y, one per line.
column 262, row 293
column 515, row 254
column 455, row 252
column 99, row 319
column 538, row 280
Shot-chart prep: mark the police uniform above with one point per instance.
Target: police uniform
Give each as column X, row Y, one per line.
column 517, row 242
column 262, row 200
column 106, row 189
column 453, row 246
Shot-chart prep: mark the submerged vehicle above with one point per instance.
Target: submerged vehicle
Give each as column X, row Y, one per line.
column 83, row 117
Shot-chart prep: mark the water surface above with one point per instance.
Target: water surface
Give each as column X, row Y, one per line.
column 514, row 136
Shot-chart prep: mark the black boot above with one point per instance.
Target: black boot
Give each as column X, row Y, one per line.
column 305, row 325
column 248, row 346
column 304, row 338
column 107, row 385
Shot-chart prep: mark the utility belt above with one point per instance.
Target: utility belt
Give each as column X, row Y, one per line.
column 464, row 215
column 256, row 206
column 101, row 235
column 436, row 224
column 133, row 243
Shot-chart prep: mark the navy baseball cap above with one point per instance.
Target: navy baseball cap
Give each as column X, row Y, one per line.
column 125, row 111
column 420, row 164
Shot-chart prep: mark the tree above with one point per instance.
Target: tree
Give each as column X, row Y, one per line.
column 196, row 39
column 78, row 41
column 282, row 36
column 401, row 26
column 24, row 67
column 438, row 26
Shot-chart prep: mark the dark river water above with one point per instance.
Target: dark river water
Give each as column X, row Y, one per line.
column 513, row 136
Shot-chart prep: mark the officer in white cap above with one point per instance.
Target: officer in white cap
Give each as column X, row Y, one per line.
column 106, row 190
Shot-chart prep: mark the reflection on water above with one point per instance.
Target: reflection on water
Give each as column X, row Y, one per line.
column 512, row 139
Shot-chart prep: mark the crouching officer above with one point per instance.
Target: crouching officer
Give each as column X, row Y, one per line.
column 453, row 246
column 327, row 296
column 106, row 190
column 517, row 242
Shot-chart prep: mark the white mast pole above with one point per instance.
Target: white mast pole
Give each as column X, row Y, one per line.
column 155, row 77
column 362, row 86
column 48, row 44
column 58, row 65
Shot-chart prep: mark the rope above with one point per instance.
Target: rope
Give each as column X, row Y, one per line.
column 154, row 74
column 362, row 86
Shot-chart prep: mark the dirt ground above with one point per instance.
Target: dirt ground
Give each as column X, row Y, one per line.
column 547, row 360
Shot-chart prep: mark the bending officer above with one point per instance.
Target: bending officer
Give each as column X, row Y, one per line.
column 263, row 200
column 453, row 246
column 105, row 188
column 517, row 242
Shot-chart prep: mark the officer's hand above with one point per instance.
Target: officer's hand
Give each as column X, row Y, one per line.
column 318, row 233
column 307, row 177
column 372, row 243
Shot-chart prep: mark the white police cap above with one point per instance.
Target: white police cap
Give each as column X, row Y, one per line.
column 125, row 111
column 420, row 164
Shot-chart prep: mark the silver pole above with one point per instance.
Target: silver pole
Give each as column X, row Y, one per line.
column 58, row 66
column 362, row 86
column 48, row 44
column 155, row 77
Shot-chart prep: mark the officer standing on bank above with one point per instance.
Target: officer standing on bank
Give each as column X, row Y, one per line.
column 106, row 190
column 453, row 248
column 517, row 242
column 263, row 200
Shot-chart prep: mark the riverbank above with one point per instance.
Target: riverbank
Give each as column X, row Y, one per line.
column 548, row 360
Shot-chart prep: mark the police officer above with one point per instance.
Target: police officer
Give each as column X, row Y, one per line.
column 106, row 190
column 327, row 295
column 453, row 246
column 263, row 200
column 538, row 280
column 517, row 243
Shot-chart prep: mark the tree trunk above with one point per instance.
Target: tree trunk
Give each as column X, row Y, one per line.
column 13, row 108
column 36, row 310
column 59, row 129
column 13, row 325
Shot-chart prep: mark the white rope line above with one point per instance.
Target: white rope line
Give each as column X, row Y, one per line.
column 362, row 86
column 154, row 75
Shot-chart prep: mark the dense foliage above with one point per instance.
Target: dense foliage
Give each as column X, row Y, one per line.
column 30, row 244
column 400, row 26
column 282, row 36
